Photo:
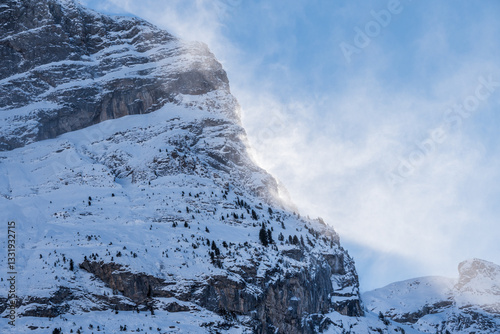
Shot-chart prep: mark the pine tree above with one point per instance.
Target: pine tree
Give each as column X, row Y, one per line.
column 263, row 236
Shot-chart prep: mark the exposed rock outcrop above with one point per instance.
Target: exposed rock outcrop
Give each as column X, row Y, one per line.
column 278, row 301
column 65, row 68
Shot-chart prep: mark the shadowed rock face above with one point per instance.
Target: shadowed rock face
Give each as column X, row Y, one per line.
column 270, row 303
column 65, row 68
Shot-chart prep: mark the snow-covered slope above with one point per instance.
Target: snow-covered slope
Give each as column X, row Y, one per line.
column 147, row 200
column 145, row 195
column 430, row 304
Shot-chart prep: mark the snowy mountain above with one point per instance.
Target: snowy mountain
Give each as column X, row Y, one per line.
column 469, row 304
column 150, row 220
column 135, row 206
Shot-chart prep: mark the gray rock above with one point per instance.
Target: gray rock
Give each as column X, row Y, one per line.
column 279, row 304
column 65, row 68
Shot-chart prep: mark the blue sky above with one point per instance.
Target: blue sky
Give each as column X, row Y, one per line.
column 374, row 143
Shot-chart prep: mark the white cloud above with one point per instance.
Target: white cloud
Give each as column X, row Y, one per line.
column 433, row 219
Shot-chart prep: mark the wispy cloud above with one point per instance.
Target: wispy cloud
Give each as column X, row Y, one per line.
column 334, row 153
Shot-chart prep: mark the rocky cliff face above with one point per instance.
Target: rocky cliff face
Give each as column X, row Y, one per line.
column 123, row 154
column 275, row 302
column 65, row 68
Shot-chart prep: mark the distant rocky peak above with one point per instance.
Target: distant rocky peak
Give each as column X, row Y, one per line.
column 475, row 270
